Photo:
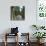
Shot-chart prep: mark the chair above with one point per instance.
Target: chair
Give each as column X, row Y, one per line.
column 26, row 37
column 14, row 32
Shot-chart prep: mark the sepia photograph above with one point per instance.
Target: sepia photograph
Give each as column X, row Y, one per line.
column 17, row 12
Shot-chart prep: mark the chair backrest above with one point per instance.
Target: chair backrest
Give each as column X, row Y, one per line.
column 14, row 30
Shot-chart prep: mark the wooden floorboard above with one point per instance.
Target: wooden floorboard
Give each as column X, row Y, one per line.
column 13, row 44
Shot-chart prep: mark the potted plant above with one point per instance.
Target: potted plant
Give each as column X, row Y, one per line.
column 39, row 35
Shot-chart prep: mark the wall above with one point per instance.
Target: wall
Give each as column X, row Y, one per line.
column 30, row 15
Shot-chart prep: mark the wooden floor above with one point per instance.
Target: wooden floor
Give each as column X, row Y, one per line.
column 13, row 44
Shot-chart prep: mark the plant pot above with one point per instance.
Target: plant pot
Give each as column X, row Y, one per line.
column 40, row 41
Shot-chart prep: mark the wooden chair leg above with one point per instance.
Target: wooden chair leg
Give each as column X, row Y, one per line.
column 5, row 43
column 5, row 39
column 17, row 39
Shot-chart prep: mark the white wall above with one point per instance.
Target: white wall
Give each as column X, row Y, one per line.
column 30, row 15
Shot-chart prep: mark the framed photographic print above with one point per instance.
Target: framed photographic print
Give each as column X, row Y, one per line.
column 17, row 12
column 41, row 12
column 41, row 8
